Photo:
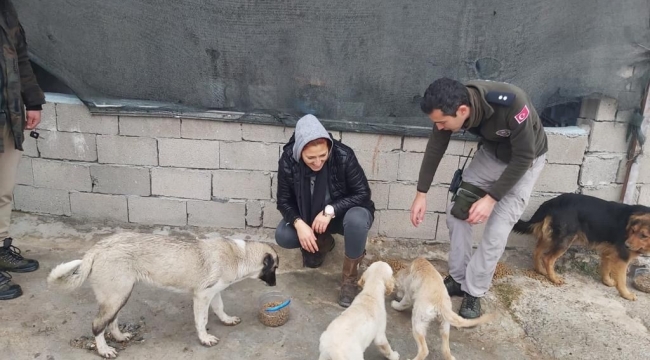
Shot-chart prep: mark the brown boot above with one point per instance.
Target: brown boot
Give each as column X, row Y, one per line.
column 349, row 289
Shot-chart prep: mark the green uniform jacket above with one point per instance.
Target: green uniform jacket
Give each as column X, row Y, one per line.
column 509, row 128
column 17, row 81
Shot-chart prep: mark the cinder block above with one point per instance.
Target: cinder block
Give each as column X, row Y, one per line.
column 599, row 170
column 67, row 146
column 228, row 184
column 200, row 154
column 253, row 213
column 211, row 130
column 96, row 206
column 274, row 185
column 608, row 137
column 41, row 200
column 419, row 145
column 77, row 118
column 415, row 144
column 271, row 216
column 374, row 228
column 249, row 156
column 371, row 142
column 25, row 174
column 125, row 180
column 264, row 133
column 379, row 194
column 609, row 193
column 153, row 127
column 29, row 145
column 127, row 150
column 442, row 231
column 644, row 195
column 598, row 108
column 48, row 117
column 624, row 116
column 217, row 214
column 397, row 224
column 379, row 166
column 157, row 211
column 564, row 149
column 558, row 178
column 61, row 175
column 181, row 183
column 409, row 168
column 402, row 195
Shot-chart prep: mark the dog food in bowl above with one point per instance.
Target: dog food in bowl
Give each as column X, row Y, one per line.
column 274, row 309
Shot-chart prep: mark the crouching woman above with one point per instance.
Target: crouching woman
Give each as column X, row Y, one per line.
column 322, row 189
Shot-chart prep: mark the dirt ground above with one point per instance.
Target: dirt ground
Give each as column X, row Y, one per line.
column 582, row 319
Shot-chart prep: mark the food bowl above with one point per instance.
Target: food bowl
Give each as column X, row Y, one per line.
column 274, row 309
column 641, row 280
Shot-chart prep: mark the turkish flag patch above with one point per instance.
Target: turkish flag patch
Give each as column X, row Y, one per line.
column 523, row 115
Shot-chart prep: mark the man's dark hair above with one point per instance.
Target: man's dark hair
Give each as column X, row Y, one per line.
column 445, row 95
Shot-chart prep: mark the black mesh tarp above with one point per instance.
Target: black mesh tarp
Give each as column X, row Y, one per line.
column 360, row 63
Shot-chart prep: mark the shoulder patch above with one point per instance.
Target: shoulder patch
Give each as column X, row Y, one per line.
column 522, row 115
column 500, row 98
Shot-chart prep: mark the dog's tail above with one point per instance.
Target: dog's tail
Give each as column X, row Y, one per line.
column 71, row 275
column 456, row 320
column 527, row 227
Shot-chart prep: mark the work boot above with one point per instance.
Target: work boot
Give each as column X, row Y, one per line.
column 11, row 260
column 325, row 243
column 349, row 287
column 453, row 288
column 8, row 290
column 470, row 308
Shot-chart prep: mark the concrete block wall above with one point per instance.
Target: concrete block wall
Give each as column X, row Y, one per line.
column 173, row 171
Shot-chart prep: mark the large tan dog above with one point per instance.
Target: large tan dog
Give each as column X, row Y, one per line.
column 202, row 267
column 348, row 336
column 421, row 286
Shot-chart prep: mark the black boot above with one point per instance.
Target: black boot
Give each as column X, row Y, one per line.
column 453, row 288
column 11, row 260
column 8, row 290
column 325, row 243
column 470, row 308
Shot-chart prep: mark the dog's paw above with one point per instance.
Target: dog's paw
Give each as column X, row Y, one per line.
column 557, row 280
column 209, row 340
column 231, row 320
column 629, row 296
column 394, row 356
column 107, row 352
column 397, row 305
column 609, row 281
column 122, row 337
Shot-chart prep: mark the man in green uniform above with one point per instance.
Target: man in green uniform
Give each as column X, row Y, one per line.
column 497, row 183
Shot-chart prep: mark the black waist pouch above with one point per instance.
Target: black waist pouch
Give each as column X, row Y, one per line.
column 465, row 196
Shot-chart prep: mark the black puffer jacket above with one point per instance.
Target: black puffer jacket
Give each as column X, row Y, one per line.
column 348, row 186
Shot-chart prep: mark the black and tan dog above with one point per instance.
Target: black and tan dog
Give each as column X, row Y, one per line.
column 620, row 232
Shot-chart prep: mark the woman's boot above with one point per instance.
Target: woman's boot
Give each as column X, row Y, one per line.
column 349, row 288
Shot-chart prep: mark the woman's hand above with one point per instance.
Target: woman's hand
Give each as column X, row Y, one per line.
column 320, row 223
column 306, row 236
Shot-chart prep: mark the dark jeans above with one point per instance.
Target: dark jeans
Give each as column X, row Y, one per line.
column 353, row 226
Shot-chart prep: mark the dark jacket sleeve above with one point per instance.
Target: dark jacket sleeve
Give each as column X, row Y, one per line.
column 31, row 93
column 436, row 147
column 287, row 203
column 522, row 142
column 357, row 186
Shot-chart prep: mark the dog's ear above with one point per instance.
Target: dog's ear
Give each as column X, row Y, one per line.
column 390, row 285
column 638, row 220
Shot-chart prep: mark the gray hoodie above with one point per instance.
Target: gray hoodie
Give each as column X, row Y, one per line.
column 308, row 129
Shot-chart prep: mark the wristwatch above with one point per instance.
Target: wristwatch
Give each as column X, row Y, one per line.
column 329, row 211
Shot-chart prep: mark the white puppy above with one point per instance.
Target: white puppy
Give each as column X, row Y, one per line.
column 348, row 336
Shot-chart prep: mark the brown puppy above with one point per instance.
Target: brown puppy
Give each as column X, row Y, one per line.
column 421, row 286
column 620, row 232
